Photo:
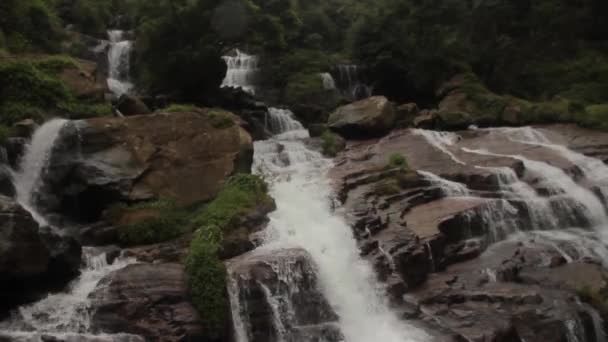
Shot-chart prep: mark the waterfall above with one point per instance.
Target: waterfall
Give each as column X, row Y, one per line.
column 441, row 141
column 241, row 72
column 28, row 178
column 540, row 213
column 593, row 169
column 119, row 56
column 348, row 81
column 65, row 313
column 304, row 218
column 570, row 197
column 448, row 187
column 328, row 81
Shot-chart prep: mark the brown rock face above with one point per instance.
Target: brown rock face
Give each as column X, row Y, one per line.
column 373, row 116
column 268, row 282
column 437, row 232
column 147, row 300
column 179, row 155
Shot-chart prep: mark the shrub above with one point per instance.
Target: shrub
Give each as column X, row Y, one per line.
column 397, row 160
column 76, row 110
column 168, row 222
column 329, row 144
column 178, row 108
column 206, row 272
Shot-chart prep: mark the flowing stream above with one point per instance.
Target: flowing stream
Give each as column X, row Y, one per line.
column 304, row 218
column 241, row 72
column 65, row 314
column 119, row 56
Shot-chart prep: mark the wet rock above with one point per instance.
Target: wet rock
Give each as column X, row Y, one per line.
column 22, row 252
column 104, row 160
column 374, row 116
column 14, row 150
column 32, row 262
column 147, row 300
column 130, row 105
column 282, row 281
column 6, row 182
column 24, row 128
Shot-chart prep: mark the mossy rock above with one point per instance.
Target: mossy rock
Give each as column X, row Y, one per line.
column 453, row 121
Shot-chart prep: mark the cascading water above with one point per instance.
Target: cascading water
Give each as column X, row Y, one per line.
column 119, row 56
column 348, row 82
column 304, row 219
column 63, row 315
column 328, row 81
column 27, row 179
column 241, row 72
column 441, row 141
column 448, row 187
column 66, row 313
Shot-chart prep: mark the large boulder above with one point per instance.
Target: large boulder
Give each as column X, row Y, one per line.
column 150, row 300
column 184, row 156
column 372, row 117
column 32, row 261
column 131, row 105
column 266, row 281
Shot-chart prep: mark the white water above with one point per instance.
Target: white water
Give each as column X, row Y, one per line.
column 576, row 199
column 328, row 81
column 66, row 313
column 441, row 141
column 448, row 187
column 28, row 177
column 593, row 169
column 540, row 213
column 304, row 218
column 347, row 80
column 119, row 56
column 241, row 72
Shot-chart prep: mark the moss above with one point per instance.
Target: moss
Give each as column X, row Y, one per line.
column 329, row 144
column 55, row 64
column 179, row 108
column 598, row 299
column 220, row 119
column 595, row 116
column 77, row 110
column 168, row 222
column 397, row 160
column 206, row 272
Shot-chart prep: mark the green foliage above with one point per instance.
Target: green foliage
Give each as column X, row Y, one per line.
column 206, row 272
column 596, row 116
column 29, row 25
column 397, row 160
column 76, row 110
column 220, row 119
column 167, row 222
column 329, row 144
column 31, row 88
column 302, row 88
column 241, row 193
column 178, row 108
column 207, row 278
column 5, row 133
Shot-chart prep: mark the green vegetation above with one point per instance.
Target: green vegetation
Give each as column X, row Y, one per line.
column 397, row 160
column 393, row 182
column 29, row 25
column 160, row 220
column 220, row 119
column 33, row 88
column 206, row 273
column 178, row 108
column 329, row 144
column 163, row 220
